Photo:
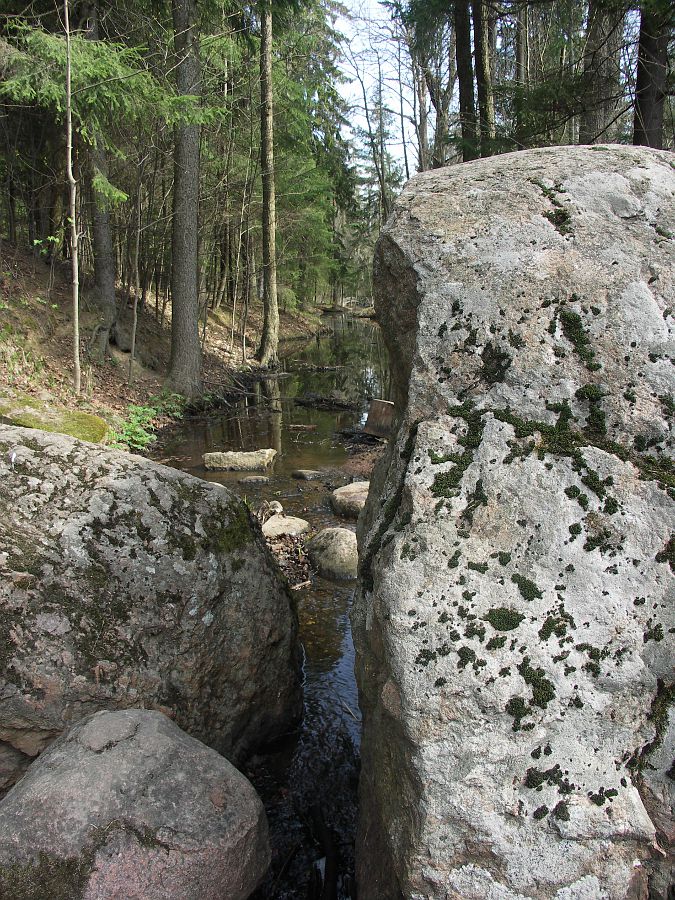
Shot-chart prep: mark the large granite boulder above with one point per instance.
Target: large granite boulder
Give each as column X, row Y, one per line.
column 126, row 804
column 126, row 583
column 514, row 617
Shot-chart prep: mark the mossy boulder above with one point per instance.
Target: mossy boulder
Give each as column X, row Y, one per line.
column 124, row 582
column 29, row 412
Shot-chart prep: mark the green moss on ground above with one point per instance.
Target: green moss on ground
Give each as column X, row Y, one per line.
column 27, row 412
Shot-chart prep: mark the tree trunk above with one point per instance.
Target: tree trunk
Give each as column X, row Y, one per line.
column 602, row 72
column 467, row 103
column 104, row 257
column 72, row 193
column 421, row 124
column 400, row 110
column 522, row 73
column 185, row 366
column 105, row 275
column 267, row 353
column 137, row 279
column 656, row 26
column 486, row 100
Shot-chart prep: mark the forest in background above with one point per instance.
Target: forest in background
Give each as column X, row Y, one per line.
column 218, row 168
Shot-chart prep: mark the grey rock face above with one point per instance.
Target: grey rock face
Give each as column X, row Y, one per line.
column 235, row 461
column 513, row 624
column 126, row 583
column 349, row 500
column 128, row 805
column 334, row 553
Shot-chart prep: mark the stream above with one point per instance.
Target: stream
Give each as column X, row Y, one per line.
column 308, row 782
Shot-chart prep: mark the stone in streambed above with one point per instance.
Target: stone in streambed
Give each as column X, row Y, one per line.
column 126, row 804
column 334, row 553
column 254, row 480
column 279, row 525
column 235, row 461
column 348, row 501
column 308, row 474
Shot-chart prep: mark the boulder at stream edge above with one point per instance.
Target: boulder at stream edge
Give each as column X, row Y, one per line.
column 128, row 805
column 513, row 624
column 334, row 553
column 349, row 500
column 127, row 583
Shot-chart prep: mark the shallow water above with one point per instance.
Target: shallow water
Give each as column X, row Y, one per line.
column 308, row 782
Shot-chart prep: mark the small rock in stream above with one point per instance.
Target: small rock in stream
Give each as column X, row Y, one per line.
column 348, row 501
column 334, row 553
column 280, row 524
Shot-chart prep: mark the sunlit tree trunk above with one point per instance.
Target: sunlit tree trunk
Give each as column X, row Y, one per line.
column 267, row 353
column 602, row 71
column 486, row 100
column 105, row 275
column 104, row 257
column 522, row 72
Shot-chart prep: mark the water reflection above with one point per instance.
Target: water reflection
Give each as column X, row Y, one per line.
column 264, row 417
column 308, row 783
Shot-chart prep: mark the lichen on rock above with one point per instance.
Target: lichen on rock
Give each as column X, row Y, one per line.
column 515, row 578
column 124, row 583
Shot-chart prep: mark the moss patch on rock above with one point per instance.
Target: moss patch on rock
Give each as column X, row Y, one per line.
column 27, row 412
column 48, row 878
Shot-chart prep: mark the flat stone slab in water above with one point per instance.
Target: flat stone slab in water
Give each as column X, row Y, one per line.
column 254, row 479
column 308, row 474
column 236, row 461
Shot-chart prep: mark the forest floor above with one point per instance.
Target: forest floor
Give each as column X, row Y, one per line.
column 36, row 344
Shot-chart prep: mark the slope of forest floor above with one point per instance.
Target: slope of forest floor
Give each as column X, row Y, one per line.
column 36, row 343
